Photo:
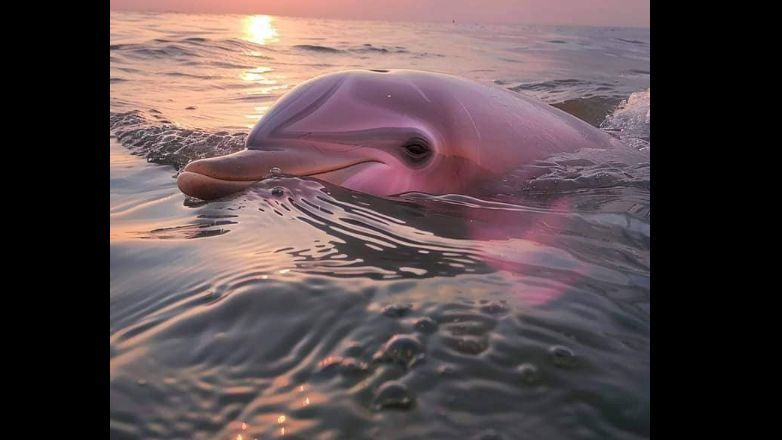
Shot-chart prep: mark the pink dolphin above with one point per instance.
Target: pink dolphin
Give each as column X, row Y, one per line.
column 391, row 132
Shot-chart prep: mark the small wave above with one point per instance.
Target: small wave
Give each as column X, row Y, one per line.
column 189, row 75
column 365, row 48
column 141, row 50
column 592, row 109
column 163, row 142
column 234, row 45
column 511, row 60
column 230, row 65
column 201, row 229
column 587, row 100
column 255, row 98
column 315, row 48
column 126, row 69
column 556, row 84
column 631, row 121
column 371, row 49
column 632, row 41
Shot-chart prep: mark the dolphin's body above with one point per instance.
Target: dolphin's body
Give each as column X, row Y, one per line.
column 391, row 132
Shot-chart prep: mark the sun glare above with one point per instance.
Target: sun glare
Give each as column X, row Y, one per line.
column 259, row 29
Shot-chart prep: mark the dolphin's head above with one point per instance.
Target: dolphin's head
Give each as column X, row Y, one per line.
column 379, row 132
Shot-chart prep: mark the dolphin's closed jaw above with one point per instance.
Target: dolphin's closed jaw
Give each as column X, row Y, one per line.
column 248, row 165
column 216, row 177
column 208, row 188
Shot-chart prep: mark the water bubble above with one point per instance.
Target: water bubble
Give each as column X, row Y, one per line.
column 426, row 325
column 562, row 356
column 275, row 170
column 494, row 308
column 392, row 395
column 278, row 191
column 528, row 373
column 397, row 310
column 403, row 349
column 469, row 346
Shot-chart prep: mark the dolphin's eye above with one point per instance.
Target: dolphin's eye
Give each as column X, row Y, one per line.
column 416, row 150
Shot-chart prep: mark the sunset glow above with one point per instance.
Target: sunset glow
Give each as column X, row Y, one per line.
column 560, row 12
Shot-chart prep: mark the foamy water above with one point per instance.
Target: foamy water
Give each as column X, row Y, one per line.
column 299, row 309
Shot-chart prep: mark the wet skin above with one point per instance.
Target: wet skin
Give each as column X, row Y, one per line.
column 391, row 132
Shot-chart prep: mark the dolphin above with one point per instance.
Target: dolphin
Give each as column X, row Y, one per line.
column 388, row 132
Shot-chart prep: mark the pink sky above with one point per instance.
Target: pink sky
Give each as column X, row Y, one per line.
column 577, row 12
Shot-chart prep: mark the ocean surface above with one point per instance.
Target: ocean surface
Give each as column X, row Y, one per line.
column 297, row 309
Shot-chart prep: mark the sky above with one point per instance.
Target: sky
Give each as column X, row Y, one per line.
column 564, row 12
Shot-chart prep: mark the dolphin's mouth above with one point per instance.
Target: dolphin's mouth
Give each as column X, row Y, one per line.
column 209, row 179
column 338, row 175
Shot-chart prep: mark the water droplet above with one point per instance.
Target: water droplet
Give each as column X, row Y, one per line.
column 275, row 170
column 562, row 356
column 392, row 395
column 278, row 191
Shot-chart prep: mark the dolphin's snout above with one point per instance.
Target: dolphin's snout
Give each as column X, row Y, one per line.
column 217, row 177
column 208, row 188
column 244, row 165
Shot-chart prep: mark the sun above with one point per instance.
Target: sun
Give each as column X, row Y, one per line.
column 260, row 29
